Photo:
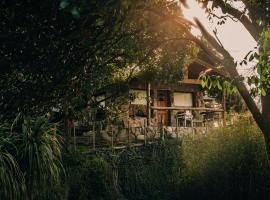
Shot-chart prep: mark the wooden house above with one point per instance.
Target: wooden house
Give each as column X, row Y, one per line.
column 162, row 103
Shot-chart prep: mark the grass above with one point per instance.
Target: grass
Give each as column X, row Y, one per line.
column 230, row 163
column 227, row 164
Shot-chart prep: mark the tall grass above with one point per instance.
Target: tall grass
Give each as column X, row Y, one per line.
column 150, row 173
column 226, row 164
column 11, row 177
column 230, row 163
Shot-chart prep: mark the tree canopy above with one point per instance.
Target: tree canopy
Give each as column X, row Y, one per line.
column 62, row 53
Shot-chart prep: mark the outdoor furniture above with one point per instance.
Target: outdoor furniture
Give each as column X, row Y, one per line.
column 185, row 117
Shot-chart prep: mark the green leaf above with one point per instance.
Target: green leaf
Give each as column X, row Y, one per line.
column 75, row 12
column 263, row 92
column 64, row 4
column 251, row 58
column 99, row 22
column 219, row 85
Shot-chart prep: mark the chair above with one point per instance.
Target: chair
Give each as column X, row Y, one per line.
column 185, row 117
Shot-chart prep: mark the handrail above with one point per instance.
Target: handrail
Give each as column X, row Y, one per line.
column 187, row 108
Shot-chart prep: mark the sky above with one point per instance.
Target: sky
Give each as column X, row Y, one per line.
column 233, row 35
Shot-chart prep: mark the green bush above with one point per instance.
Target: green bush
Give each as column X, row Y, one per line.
column 88, row 177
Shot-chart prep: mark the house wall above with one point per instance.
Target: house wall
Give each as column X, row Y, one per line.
column 180, row 94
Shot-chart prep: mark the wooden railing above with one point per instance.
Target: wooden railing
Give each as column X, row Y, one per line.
column 182, row 108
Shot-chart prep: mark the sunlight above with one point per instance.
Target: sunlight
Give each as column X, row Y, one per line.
column 234, row 37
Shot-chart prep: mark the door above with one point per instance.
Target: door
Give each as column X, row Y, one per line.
column 162, row 101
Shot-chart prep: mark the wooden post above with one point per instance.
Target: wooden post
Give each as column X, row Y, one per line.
column 145, row 140
column 224, row 107
column 74, row 136
column 148, row 103
column 162, row 130
column 176, row 119
column 112, row 137
column 128, row 134
column 94, row 136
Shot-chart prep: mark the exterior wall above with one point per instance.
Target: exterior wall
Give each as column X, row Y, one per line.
column 180, row 94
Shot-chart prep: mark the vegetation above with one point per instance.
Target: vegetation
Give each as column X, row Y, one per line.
column 228, row 164
column 254, row 16
column 63, row 54
column 30, row 158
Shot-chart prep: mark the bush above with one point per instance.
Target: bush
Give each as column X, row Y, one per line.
column 88, row 177
column 142, row 173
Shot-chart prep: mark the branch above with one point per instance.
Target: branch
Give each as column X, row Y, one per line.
column 251, row 26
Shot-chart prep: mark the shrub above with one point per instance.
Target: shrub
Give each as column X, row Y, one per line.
column 88, row 177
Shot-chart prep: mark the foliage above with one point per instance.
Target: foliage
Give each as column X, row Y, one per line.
column 227, row 164
column 39, row 154
column 217, row 82
column 11, row 177
column 63, row 53
column 88, row 178
column 255, row 17
column 30, row 157
column 260, row 82
column 150, row 173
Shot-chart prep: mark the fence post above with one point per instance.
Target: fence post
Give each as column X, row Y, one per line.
column 74, row 136
column 162, row 130
column 112, row 137
column 176, row 126
column 94, row 136
column 145, row 140
column 128, row 134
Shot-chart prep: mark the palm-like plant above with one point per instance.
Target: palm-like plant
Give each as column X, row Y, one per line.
column 39, row 155
column 11, row 177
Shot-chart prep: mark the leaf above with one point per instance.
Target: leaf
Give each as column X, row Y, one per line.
column 99, row 22
column 219, row 85
column 263, row 92
column 64, row 4
column 75, row 12
column 251, row 58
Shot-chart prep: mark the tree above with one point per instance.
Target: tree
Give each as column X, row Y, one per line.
column 63, row 53
column 255, row 17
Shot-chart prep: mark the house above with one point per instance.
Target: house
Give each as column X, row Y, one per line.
column 158, row 109
column 163, row 103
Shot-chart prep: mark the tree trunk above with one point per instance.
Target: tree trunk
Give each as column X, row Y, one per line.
column 266, row 116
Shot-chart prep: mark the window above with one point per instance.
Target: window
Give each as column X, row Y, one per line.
column 140, row 97
column 183, row 99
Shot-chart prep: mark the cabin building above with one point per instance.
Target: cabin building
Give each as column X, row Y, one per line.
column 163, row 103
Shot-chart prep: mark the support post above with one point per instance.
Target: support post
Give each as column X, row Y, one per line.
column 94, row 136
column 112, row 138
column 74, row 136
column 224, row 108
column 128, row 134
column 145, row 139
column 176, row 119
column 148, row 103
